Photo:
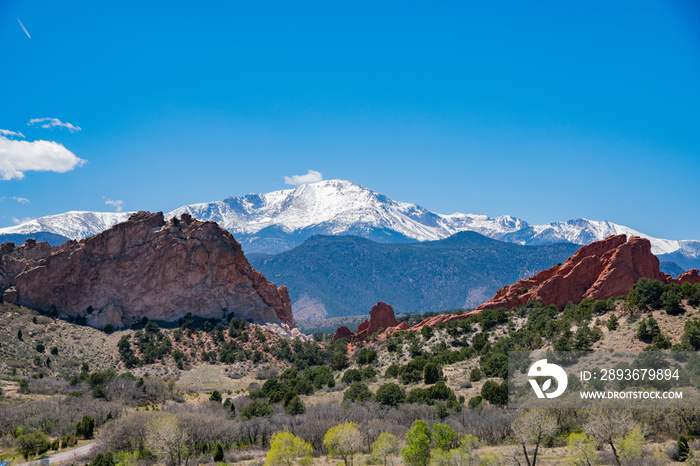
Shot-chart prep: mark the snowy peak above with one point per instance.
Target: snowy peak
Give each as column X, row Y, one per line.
column 280, row 220
column 74, row 225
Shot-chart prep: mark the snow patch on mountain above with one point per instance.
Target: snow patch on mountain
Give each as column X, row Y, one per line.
column 285, row 218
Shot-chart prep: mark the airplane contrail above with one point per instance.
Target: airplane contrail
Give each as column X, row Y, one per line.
column 23, row 28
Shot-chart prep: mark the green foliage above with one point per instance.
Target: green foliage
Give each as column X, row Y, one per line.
column 495, row 365
column 629, row 448
column 390, row 394
column 215, row 396
column 350, row 376
column 108, row 328
column 426, row 332
column 392, row 371
column 672, row 302
column 85, row 428
column 287, row 449
column 340, row 362
column 357, row 392
column 475, row 374
column 295, row 406
column 475, row 401
column 647, row 329
column 417, row 449
column 691, row 334
column 582, row 449
column 218, row 453
column 494, row 393
column 431, row 373
column 683, row 448
column 613, row 323
column 32, row 443
column 366, row 356
column 444, row 438
column 256, row 409
column 386, row 445
column 40, row 347
column 646, row 294
column 103, row 459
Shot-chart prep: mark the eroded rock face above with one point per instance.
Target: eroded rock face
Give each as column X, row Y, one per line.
column 600, row 270
column 381, row 317
column 16, row 259
column 149, row 267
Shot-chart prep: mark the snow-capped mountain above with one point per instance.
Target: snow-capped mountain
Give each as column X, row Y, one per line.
column 71, row 225
column 280, row 220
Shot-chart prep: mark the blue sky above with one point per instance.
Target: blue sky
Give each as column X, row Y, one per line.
column 542, row 110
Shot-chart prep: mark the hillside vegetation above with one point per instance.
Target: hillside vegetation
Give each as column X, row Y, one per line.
column 450, row 376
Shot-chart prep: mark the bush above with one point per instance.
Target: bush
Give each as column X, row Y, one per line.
column 256, row 409
column 392, row 371
column 366, row 356
column 494, row 393
column 219, row 453
column 417, row 449
column 613, row 323
column 295, row 406
column 390, row 394
column 340, row 362
column 32, row 443
column 351, row 376
column 357, row 392
column 85, row 427
column 672, row 303
column 646, row 294
column 431, row 372
column 647, row 329
column 475, row 375
column 287, row 449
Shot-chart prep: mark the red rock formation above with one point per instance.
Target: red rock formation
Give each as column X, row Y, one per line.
column 343, row 332
column 433, row 321
column 16, row 259
column 381, row 317
column 149, row 267
column 600, row 270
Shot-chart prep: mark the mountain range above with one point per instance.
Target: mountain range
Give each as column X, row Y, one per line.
column 332, row 276
column 281, row 220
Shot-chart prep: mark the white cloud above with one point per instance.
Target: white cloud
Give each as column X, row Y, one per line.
column 17, row 221
column 312, row 176
column 17, row 157
column 7, row 132
column 52, row 123
column 118, row 204
column 21, row 200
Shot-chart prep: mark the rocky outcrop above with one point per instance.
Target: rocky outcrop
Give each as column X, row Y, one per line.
column 148, row 267
column 442, row 318
column 381, row 317
column 600, row 270
column 16, row 259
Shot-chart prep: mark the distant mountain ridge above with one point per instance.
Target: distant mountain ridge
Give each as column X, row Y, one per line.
column 332, row 276
column 280, row 220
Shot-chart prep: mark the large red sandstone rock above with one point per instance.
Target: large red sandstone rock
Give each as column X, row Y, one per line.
column 16, row 259
column 152, row 268
column 381, row 317
column 600, row 270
